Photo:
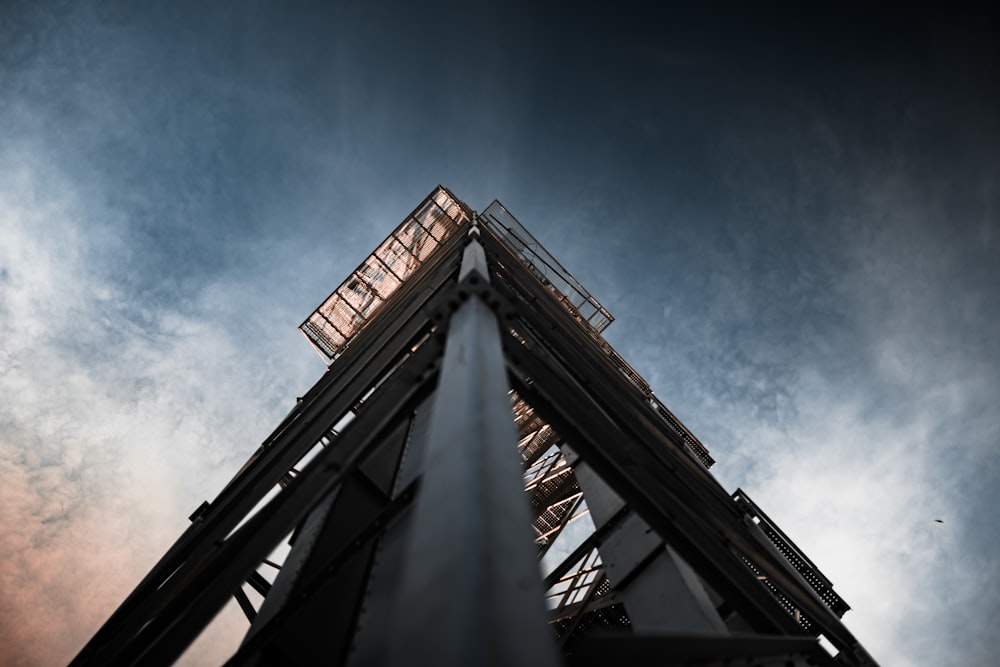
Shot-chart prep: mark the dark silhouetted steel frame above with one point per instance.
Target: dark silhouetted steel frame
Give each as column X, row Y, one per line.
column 398, row 478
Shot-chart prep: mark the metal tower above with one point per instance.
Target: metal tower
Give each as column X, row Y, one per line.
column 430, row 483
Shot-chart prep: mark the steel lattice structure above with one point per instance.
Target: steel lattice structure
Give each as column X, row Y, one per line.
column 472, row 412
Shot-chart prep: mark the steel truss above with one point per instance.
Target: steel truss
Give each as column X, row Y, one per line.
column 408, row 494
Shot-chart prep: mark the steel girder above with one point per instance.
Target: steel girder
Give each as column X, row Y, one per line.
column 415, row 311
column 412, row 517
column 558, row 367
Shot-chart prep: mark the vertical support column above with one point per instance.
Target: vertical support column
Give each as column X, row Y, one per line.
column 663, row 594
column 471, row 592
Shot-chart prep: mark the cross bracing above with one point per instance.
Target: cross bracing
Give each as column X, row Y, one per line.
column 431, row 487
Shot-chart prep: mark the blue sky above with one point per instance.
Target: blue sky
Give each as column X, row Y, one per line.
column 791, row 212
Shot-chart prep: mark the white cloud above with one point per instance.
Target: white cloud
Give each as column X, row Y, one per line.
column 114, row 426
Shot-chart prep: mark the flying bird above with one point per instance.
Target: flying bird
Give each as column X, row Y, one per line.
column 939, row 520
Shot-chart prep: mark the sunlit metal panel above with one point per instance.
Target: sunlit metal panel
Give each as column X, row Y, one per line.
column 345, row 312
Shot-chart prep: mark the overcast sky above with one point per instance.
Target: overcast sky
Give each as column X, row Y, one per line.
column 791, row 210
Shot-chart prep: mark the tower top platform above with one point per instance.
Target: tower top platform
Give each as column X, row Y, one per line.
column 438, row 217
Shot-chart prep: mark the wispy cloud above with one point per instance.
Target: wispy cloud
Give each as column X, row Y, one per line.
column 798, row 239
column 115, row 418
column 854, row 403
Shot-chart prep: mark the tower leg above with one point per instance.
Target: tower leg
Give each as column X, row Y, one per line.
column 472, row 592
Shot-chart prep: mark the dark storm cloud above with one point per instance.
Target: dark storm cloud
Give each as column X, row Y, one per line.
column 791, row 210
